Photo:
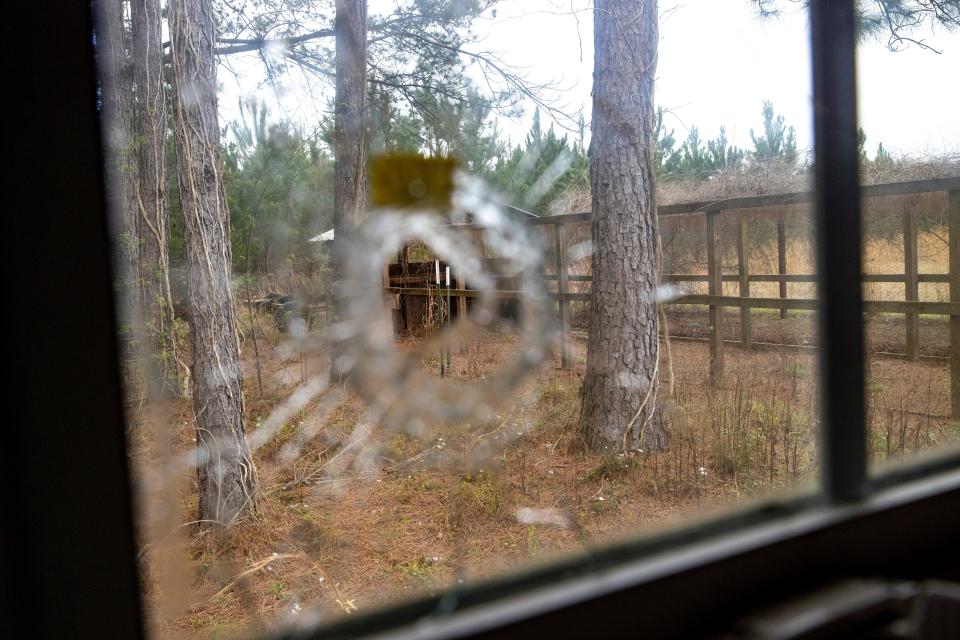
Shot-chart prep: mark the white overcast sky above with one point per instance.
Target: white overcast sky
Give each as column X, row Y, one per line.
column 718, row 62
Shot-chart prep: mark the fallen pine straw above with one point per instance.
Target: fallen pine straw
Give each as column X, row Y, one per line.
column 252, row 569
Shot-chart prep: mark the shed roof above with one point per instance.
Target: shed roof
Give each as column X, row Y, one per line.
column 326, row 236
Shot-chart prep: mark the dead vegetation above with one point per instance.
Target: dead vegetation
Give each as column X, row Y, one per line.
column 460, row 504
column 472, row 502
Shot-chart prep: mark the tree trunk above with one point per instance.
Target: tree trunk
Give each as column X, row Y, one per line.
column 349, row 135
column 618, row 411
column 117, row 103
column 227, row 476
column 150, row 195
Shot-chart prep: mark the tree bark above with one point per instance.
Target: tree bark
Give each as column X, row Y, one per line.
column 619, row 404
column 349, row 135
column 150, row 194
column 116, row 107
column 227, row 476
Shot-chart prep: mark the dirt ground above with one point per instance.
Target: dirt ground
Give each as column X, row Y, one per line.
column 459, row 505
column 885, row 333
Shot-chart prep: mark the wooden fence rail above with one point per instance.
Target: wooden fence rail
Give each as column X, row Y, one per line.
column 911, row 307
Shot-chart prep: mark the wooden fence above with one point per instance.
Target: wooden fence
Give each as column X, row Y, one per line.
column 911, row 307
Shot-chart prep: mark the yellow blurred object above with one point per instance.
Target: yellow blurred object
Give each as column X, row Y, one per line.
column 411, row 181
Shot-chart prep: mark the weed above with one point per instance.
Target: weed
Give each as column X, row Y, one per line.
column 480, row 494
column 412, row 486
column 421, row 568
column 558, row 403
column 876, row 388
column 533, row 540
column 610, row 467
column 796, row 369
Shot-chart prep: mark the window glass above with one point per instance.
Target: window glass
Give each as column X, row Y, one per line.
column 911, row 383
column 396, row 310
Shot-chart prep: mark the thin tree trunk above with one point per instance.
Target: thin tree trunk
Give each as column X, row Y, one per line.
column 349, row 134
column 227, row 476
column 619, row 388
column 150, row 195
column 117, row 102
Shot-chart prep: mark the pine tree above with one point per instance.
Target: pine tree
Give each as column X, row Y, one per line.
column 664, row 152
column 279, row 188
column 349, row 140
column 895, row 20
column 862, row 145
column 778, row 141
column 883, row 159
column 619, row 403
column 158, row 323
column 226, row 475
column 693, row 160
column 535, row 173
column 722, row 156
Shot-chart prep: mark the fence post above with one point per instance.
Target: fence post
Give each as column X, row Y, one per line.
column 461, row 300
column 782, row 260
column 393, row 299
column 911, row 283
column 560, row 237
column 953, row 222
column 715, row 288
column 743, row 265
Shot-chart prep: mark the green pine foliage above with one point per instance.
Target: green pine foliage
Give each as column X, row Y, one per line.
column 777, row 142
column 896, row 21
column 534, row 174
column 278, row 178
column 882, row 159
column 463, row 129
column 694, row 159
column 279, row 184
column 862, row 144
column 441, row 126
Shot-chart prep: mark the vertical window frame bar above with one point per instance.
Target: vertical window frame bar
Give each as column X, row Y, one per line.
column 68, row 553
column 843, row 452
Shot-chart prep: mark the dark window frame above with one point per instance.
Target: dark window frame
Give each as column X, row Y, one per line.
column 67, row 546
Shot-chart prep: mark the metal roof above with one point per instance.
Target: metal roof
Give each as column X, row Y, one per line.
column 326, row 236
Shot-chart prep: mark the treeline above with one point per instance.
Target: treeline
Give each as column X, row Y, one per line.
column 278, row 176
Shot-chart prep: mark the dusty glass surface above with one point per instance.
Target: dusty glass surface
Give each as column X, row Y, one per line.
column 357, row 372
column 912, row 380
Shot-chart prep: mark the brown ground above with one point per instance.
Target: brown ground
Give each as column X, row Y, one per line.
column 445, row 507
column 885, row 333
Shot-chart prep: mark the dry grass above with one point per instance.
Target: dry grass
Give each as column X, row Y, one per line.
column 446, row 509
column 774, row 177
column 683, row 240
column 467, row 503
